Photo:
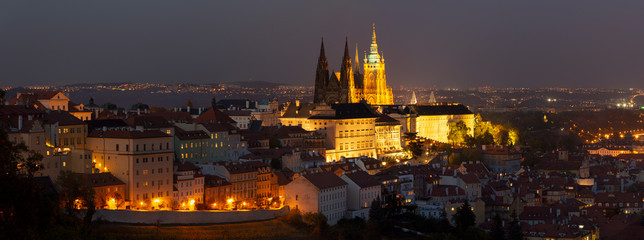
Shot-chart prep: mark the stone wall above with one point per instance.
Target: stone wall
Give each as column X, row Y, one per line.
column 186, row 217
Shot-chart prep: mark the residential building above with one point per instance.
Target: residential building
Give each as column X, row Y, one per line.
column 143, row 160
column 188, row 184
column 322, row 192
column 362, row 190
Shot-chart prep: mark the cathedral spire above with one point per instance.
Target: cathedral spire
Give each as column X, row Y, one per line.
column 357, row 61
column 322, row 56
column 373, row 57
column 413, row 98
column 432, row 98
column 321, row 75
column 346, row 73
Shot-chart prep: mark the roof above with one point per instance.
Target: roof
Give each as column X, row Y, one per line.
column 173, row 116
column 148, row 121
column 243, row 167
column 445, row 191
column 63, row 118
column 384, row 119
column 301, row 111
column 190, row 135
column 215, row 181
column 214, row 116
column 109, row 123
column 127, row 134
column 363, row 179
column 185, row 166
column 226, row 103
column 349, row 111
column 282, row 179
column 444, row 109
column 237, row 113
column 324, row 180
column 100, row 179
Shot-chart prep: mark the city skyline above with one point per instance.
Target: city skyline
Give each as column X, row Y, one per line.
column 458, row 45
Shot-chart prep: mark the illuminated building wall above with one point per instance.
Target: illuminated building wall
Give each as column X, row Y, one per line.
column 433, row 121
column 141, row 159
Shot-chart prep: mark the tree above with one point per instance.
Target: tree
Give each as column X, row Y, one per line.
column 515, row 228
column 464, row 217
column 498, row 233
column 350, row 228
column 503, row 137
column 458, row 132
column 376, row 213
column 274, row 143
column 24, row 211
column 276, row 163
column 413, row 144
column 443, row 223
column 74, row 192
column 317, row 223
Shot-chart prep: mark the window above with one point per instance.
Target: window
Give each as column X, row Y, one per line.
column 117, row 147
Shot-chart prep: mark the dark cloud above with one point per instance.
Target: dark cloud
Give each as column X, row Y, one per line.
column 443, row 43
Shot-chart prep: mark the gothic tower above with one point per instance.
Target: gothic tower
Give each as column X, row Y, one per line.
column 376, row 91
column 346, row 75
column 321, row 76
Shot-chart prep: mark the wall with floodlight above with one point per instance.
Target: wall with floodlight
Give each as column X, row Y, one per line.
column 186, row 217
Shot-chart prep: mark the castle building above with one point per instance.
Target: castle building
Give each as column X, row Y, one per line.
column 350, row 85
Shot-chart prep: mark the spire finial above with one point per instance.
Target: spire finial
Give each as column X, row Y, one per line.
column 374, row 31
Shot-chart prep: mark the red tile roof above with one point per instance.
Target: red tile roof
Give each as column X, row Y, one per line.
column 324, row 180
column 363, row 179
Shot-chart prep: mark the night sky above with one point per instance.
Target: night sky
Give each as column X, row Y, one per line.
column 461, row 44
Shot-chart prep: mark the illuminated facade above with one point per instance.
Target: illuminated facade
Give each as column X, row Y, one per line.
column 143, row 160
column 349, row 128
column 433, row 121
column 349, row 85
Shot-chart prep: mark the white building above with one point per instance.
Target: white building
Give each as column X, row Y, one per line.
column 362, row 189
column 188, row 186
column 318, row 192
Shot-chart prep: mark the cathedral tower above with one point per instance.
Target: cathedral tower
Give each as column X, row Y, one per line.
column 321, row 76
column 376, row 91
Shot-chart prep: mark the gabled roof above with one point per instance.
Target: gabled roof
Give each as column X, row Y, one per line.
column 363, row 179
column 62, row 118
column 302, row 111
column 324, row 180
column 384, row 119
column 100, row 179
column 214, row 116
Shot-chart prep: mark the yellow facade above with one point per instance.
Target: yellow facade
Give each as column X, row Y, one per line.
column 375, row 89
